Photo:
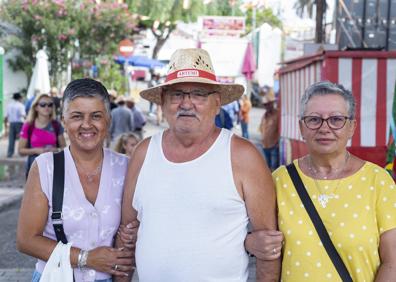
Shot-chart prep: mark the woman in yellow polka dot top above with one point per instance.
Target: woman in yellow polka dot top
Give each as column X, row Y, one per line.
column 355, row 199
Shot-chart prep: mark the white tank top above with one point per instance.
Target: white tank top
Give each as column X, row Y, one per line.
column 193, row 222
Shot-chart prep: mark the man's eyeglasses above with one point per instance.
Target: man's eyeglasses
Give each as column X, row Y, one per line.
column 197, row 96
column 333, row 122
column 43, row 104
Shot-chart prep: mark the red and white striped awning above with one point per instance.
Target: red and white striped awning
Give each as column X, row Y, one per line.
column 371, row 76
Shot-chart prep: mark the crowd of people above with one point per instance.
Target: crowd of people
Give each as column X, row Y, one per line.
column 178, row 205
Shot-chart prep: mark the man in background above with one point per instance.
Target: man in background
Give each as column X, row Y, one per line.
column 269, row 129
column 15, row 115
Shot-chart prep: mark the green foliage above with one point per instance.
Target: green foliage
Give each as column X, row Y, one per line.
column 111, row 76
column 262, row 16
column 64, row 28
column 161, row 16
column 223, row 8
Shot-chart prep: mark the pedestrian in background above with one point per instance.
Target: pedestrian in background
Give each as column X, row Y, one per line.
column 41, row 132
column 233, row 110
column 57, row 102
column 269, row 129
column 355, row 199
column 195, row 187
column 15, row 115
column 29, row 101
column 246, row 106
column 112, row 97
column 121, row 119
column 126, row 143
column 223, row 119
column 93, row 178
column 138, row 117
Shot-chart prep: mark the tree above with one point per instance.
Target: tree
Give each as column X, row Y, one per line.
column 321, row 6
column 265, row 15
column 161, row 16
column 65, row 28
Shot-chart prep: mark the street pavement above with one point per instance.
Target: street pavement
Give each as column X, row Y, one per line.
column 15, row 266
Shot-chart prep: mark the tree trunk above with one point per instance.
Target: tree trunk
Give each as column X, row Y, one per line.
column 161, row 39
column 158, row 45
column 320, row 8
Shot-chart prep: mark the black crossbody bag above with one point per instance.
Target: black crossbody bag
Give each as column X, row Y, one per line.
column 319, row 226
column 58, row 186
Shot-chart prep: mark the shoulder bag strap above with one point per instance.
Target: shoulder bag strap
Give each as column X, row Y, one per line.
column 58, row 186
column 56, row 126
column 29, row 134
column 319, row 226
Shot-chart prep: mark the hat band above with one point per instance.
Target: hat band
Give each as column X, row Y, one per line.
column 190, row 73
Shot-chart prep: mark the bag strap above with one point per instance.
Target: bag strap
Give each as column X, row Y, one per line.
column 29, row 134
column 58, row 186
column 319, row 226
column 56, row 126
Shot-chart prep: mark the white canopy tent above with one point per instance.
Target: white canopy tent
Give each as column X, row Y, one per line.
column 40, row 77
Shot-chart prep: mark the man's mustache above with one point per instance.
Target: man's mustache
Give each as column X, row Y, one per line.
column 185, row 113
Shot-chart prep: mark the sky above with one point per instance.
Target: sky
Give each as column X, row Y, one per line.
column 287, row 10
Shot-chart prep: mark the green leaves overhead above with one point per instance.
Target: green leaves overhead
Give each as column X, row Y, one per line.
column 65, row 28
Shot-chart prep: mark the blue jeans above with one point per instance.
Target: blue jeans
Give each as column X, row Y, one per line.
column 272, row 156
column 37, row 275
column 13, row 136
column 244, row 127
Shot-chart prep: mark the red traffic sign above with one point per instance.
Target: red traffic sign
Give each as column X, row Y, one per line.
column 125, row 47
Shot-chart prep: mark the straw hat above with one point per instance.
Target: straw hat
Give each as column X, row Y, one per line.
column 269, row 97
column 193, row 65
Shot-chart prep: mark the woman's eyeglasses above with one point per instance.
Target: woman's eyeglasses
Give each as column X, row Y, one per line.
column 197, row 96
column 333, row 122
column 43, row 104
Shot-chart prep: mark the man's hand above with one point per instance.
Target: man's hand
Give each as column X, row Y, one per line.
column 265, row 244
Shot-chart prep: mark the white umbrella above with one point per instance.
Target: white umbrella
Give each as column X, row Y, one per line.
column 40, row 77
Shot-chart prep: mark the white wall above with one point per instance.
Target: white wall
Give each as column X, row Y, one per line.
column 13, row 81
column 227, row 55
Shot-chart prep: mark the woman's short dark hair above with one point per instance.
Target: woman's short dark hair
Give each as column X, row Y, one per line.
column 85, row 87
column 324, row 88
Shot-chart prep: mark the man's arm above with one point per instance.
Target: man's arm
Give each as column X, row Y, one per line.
column 128, row 213
column 254, row 183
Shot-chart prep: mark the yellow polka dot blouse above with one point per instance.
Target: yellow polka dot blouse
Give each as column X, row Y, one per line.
column 360, row 208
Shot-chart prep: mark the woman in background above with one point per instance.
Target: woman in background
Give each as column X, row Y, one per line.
column 126, row 143
column 41, row 132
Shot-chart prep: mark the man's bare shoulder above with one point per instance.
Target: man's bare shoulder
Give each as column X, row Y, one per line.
column 140, row 152
column 241, row 145
column 245, row 152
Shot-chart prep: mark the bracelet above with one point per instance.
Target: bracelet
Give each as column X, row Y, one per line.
column 82, row 258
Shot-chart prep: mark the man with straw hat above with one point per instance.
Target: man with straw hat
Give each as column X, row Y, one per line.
column 194, row 187
column 269, row 129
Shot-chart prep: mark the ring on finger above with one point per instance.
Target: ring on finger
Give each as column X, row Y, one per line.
column 274, row 251
column 115, row 267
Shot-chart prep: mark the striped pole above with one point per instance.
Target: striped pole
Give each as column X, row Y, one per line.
column 391, row 153
column 1, row 89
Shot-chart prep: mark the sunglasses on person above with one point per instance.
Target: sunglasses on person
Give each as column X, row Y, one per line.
column 44, row 104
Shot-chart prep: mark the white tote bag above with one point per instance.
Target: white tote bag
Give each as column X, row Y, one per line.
column 58, row 267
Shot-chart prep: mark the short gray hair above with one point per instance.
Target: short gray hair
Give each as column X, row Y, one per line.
column 88, row 88
column 324, row 88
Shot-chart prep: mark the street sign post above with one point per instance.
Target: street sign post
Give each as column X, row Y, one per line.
column 125, row 47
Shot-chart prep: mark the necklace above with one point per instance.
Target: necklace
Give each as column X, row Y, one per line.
column 323, row 197
column 90, row 176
